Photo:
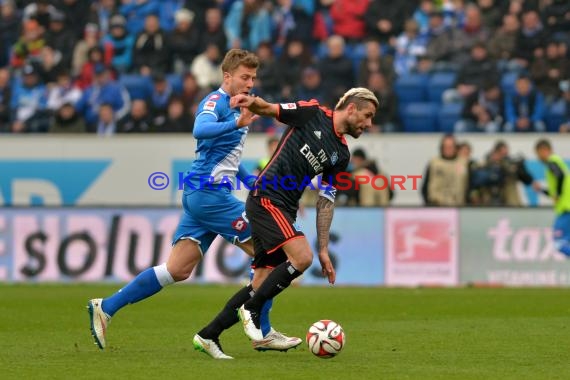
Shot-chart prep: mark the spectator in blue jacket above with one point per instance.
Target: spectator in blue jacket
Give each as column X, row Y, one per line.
column 103, row 90
column 159, row 98
column 525, row 108
column 311, row 86
column 103, row 10
column 422, row 15
column 29, row 103
column 136, row 11
column 247, row 25
column 120, row 43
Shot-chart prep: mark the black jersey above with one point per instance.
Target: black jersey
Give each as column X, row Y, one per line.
column 310, row 147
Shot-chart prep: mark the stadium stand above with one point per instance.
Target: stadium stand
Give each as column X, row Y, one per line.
column 420, row 117
column 520, row 44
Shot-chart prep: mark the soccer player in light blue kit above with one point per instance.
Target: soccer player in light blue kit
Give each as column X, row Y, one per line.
column 209, row 210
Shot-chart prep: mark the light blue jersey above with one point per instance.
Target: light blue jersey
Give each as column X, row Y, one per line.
column 207, row 212
column 220, row 142
column 210, row 210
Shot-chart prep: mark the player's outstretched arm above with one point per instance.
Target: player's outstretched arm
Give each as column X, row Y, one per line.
column 325, row 211
column 255, row 104
column 207, row 126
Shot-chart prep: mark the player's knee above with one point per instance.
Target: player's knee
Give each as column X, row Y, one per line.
column 183, row 258
column 180, row 271
column 180, row 274
column 303, row 261
column 257, row 281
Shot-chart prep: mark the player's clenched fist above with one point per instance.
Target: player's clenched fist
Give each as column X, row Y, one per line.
column 241, row 100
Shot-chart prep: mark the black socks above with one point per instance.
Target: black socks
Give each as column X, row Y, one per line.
column 228, row 316
column 277, row 281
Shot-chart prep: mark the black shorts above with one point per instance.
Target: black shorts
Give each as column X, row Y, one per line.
column 271, row 228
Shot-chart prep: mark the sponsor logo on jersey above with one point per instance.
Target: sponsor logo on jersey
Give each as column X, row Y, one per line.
column 318, row 134
column 210, row 106
column 289, row 106
column 239, row 224
column 315, row 161
column 214, row 97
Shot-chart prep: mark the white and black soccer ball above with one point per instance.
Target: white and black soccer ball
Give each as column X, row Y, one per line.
column 325, row 339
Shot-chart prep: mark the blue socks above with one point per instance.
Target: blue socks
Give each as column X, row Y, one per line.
column 264, row 316
column 150, row 282
column 147, row 283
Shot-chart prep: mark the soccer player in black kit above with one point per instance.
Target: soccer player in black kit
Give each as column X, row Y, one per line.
column 312, row 145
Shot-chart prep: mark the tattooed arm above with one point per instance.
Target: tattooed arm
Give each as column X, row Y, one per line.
column 325, row 211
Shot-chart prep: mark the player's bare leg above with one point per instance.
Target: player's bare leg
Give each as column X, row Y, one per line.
column 182, row 260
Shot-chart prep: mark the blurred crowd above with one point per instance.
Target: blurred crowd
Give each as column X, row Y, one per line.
column 142, row 66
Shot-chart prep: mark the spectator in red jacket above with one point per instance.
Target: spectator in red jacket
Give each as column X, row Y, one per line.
column 348, row 19
column 87, row 74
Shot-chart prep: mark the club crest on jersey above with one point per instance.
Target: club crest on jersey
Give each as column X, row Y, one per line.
column 239, row 224
column 289, row 106
column 334, row 158
column 210, row 106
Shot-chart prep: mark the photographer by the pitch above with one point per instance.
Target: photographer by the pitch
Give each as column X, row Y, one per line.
column 495, row 181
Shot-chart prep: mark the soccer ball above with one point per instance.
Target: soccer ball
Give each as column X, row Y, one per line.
column 325, row 339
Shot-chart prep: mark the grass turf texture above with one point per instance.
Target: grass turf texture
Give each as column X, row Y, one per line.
column 391, row 334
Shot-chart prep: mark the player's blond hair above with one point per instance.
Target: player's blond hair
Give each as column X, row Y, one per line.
column 237, row 57
column 358, row 96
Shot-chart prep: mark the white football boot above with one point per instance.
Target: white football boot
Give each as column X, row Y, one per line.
column 99, row 321
column 276, row 341
column 209, row 346
column 249, row 327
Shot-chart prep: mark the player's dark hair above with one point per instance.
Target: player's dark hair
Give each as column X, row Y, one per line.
column 238, row 57
column 542, row 143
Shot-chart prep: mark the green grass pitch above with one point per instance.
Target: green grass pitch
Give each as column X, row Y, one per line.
column 391, row 334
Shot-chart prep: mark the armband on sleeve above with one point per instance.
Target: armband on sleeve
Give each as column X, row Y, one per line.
column 328, row 192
